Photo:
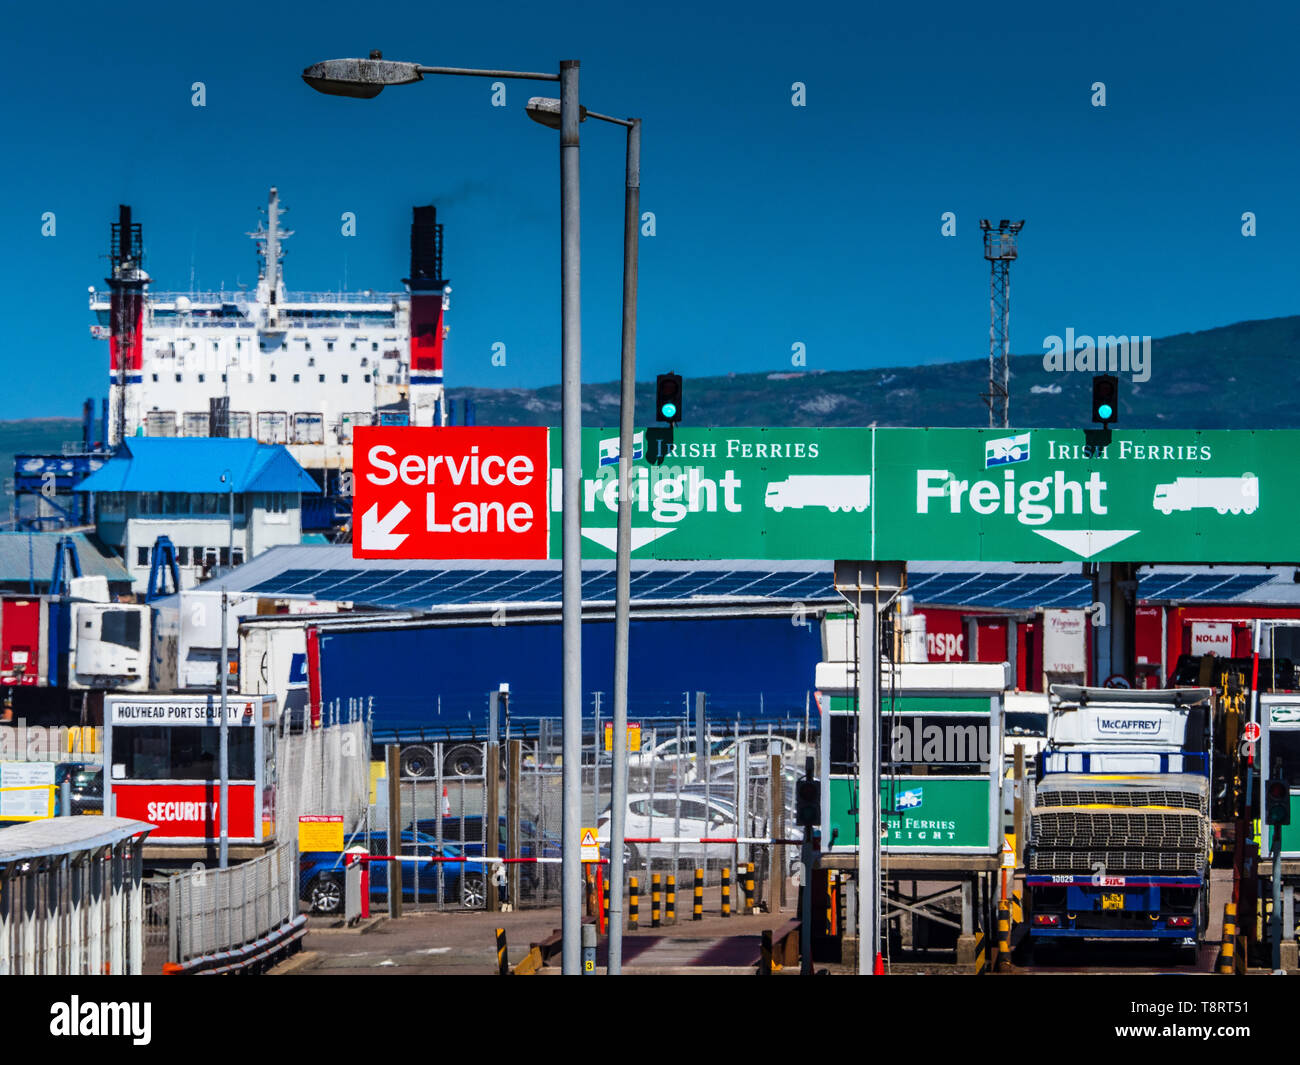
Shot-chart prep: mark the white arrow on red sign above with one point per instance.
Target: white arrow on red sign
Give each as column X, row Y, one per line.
column 377, row 534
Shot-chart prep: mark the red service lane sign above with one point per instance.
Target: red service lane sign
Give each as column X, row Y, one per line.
column 473, row 492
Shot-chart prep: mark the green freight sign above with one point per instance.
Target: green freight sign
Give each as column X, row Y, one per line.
column 726, row 493
column 1042, row 495
column 929, row 814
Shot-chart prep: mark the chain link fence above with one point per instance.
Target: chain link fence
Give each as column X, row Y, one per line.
column 446, row 808
column 322, row 771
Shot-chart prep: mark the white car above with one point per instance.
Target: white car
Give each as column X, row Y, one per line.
column 657, row 815
column 757, row 749
column 664, row 758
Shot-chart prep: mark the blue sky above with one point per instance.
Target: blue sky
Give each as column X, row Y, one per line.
column 775, row 224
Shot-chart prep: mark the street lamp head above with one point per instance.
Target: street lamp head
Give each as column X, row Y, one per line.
column 360, row 78
column 546, row 111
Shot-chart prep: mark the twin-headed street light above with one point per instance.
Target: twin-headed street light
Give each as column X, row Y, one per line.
column 547, row 112
column 366, row 79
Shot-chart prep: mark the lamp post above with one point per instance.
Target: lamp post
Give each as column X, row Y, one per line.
column 365, row 79
column 223, row 802
column 547, row 112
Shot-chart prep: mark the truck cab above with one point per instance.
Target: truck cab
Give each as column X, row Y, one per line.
column 1120, row 830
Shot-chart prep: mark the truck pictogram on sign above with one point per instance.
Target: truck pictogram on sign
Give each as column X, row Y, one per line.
column 1234, row 495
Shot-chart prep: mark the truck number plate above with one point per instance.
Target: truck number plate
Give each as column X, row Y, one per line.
column 1112, row 900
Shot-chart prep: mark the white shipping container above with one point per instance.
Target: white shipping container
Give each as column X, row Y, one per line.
column 273, row 661
column 187, row 641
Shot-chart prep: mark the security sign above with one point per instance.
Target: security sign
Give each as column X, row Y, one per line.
column 451, row 492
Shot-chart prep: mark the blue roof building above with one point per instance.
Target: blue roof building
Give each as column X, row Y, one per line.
column 220, row 501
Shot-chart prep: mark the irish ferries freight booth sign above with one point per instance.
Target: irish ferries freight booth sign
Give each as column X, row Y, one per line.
column 1043, row 495
column 941, row 773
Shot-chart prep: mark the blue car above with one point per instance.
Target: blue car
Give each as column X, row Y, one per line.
column 467, row 833
column 320, row 875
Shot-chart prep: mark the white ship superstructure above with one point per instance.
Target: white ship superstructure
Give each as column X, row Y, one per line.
column 294, row 368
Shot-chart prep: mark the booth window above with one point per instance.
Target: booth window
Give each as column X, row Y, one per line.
column 182, row 752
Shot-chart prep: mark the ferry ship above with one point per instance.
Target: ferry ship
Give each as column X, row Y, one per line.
column 295, row 368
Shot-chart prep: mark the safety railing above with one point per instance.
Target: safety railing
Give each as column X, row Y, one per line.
column 240, row 918
column 71, row 902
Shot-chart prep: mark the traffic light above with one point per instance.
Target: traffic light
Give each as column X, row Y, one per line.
column 1277, row 799
column 1105, row 398
column 668, row 398
column 808, row 802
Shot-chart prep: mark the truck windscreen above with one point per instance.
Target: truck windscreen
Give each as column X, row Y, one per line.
column 181, row 752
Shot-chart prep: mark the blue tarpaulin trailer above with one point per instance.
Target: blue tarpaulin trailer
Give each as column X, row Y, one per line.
column 437, row 678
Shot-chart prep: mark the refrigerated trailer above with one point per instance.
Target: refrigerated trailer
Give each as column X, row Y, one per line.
column 25, row 658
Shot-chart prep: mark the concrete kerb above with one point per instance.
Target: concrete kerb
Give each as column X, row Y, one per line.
column 341, row 929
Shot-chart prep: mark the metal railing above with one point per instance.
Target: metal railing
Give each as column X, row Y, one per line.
column 229, row 919
column 71, row 898
column 244, row 299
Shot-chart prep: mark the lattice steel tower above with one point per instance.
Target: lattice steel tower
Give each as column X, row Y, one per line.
column 999, row 250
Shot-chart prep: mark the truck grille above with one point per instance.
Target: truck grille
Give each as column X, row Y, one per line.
column 1185, row 863
column 1172, row 830
column 1185, row 793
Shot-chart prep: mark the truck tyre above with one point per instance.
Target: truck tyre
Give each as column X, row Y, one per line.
column 416, row 761
column 465, row 760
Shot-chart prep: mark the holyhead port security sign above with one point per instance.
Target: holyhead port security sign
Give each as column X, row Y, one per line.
column 1041, row 495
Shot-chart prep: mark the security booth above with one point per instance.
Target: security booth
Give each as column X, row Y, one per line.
column 941, row 770
column 1280, row 750
column 162, row 765
column 1280, row 736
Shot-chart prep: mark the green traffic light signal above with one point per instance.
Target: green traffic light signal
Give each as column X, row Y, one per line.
column 1105, row 399
column 668, row 398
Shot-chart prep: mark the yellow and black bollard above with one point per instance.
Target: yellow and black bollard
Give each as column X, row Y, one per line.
column 749, row 889
column 632, row 901
column 726, row 892
column 503, row 955
column 670, row 901
column 605, row 902
column 656, row 896
column 1004, row 928
column 1228, row 951
column 698, row 914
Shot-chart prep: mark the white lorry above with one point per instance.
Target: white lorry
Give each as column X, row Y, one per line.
column 1225, row 494
column 835, row 492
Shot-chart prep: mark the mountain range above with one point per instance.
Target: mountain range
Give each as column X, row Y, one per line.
column 1231, row 377
column 1225, row 378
